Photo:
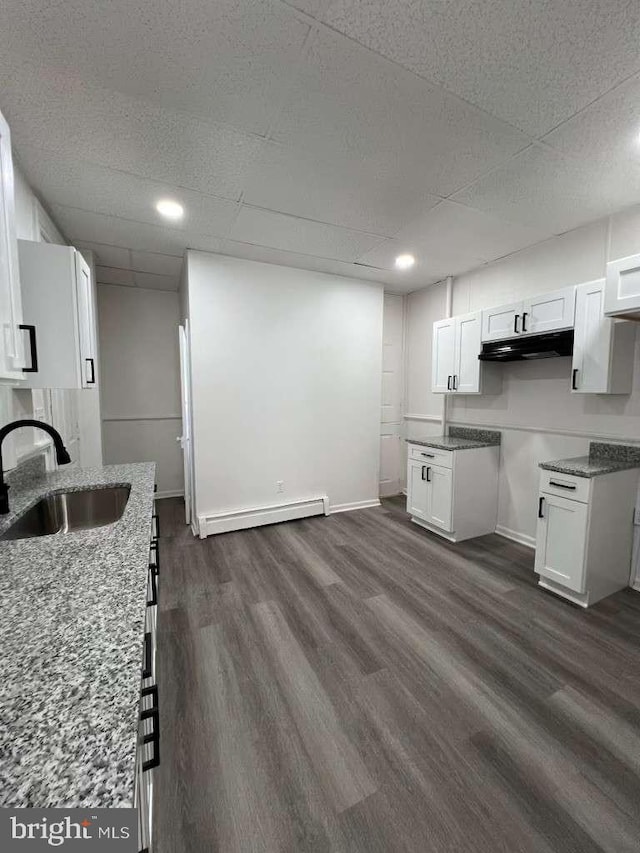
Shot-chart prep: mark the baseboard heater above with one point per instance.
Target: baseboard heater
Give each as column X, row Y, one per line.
column 240, row 519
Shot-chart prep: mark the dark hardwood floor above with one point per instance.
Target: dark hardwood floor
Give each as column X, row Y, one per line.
column 353, row 683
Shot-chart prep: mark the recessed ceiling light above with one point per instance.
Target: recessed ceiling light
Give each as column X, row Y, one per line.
column 405, row 262
column 170, row 209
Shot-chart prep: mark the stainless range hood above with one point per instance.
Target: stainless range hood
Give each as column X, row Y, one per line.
column 552, row 345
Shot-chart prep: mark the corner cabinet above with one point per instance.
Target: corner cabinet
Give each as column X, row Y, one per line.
column 453, row 493
column 584, row 534
column 550, row 312
column 603, row 348
column 455, row 366
column 11, row 349
column 58, row 316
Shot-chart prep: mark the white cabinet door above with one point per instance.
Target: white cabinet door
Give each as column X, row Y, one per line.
column 86, row 322
column 417, row 486
column 549, row 312
column 592, row 341
column 623, row 286
column 11, row 344
column 439, row 496
column 502, row 322
column 443, row 355
column 561, row 541
column 468, row 346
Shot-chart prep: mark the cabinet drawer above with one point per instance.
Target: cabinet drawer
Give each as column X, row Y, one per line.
column 565, row 486
column 431, row 455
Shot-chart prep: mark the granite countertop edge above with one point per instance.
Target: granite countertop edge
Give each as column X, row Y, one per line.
column 603, row 458
column 460, row 438
column 71, row 638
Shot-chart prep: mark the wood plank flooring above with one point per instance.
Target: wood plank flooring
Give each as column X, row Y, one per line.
column 353, row 683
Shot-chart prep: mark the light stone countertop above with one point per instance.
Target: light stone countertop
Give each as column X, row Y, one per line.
column 71, row 641
column 460, row 438
column 603, row 458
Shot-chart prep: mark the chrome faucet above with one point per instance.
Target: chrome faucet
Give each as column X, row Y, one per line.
column 62, row 454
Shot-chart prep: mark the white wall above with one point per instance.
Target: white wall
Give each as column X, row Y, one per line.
column 138, row 331
column 539, row 417
column 286, row 368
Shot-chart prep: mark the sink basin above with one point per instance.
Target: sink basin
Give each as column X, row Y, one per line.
column 69, row 511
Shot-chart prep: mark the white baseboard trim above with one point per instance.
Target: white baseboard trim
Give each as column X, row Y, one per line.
column 241, row 519
column 169, row 493
column 355, row 505
column 521, row 538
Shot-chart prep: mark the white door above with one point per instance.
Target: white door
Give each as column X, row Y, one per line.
column 417, row 486
column 561, row 541
column 592, row 340
column 443, row 355
column 391, row 442
column 549, row 312
column 186, row 439
column 439, row 493
column 502, row 322
column 11, row 343
column 468, row 346
column 86, row 322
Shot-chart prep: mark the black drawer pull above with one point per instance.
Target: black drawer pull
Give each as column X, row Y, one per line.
column 515, row 324
column 449, row 378
column 524, row 320
column 540, row 505
column 422, row 474
column 455, row 381
column 428, row 477
column 154, row 587
column 574, row 376
column 147, row 670
column 562, row 485
column 152, row 714
column 428, row 455
column 154, row 557
column 33, row 348
column 155, row 521
column 91, row 363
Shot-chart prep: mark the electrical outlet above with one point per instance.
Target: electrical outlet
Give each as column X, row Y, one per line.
column 279, row 486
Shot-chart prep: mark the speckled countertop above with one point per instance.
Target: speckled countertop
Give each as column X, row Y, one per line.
column 71, row 638
column 460, row 438
column 602, row 459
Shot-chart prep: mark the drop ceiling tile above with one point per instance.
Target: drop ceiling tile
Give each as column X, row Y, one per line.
column 541, row 188
column 109, row 256
column 115, row 275
column 156, row 282
column 350, row 102
column 225, row 60
column 264, row 228
column 62, row 114
column 361, row 194
column 155, row 263
column 61, row 179
column 531, row 64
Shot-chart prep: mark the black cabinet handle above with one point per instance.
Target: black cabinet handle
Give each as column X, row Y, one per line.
column 152, row 714
column 147, row 672
column 515, row 324
column 563, row 485
column 33, row 348
column 540, row 505
column 92, row 365
column 524, row 319
column 448, row 383
column 155, row 520
column 574, row 376
column 422, row 473
column 153, row 573
column 455, row 381
column 428, row 455
column 428, row 477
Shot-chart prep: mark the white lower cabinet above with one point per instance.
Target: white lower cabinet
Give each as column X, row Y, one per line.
column 584, row 534
column 453, row 492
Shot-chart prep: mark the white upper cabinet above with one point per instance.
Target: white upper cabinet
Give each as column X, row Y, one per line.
column 443, row 358
column 602, row 348
column 622, row 297
column 455, row 364
column 11, row 350
column 550, row 312
column 59, row 318
column 501, row 322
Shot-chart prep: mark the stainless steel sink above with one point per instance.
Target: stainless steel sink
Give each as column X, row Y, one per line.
column 69, row 511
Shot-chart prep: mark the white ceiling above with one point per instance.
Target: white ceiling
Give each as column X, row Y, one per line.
column 328, row 134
